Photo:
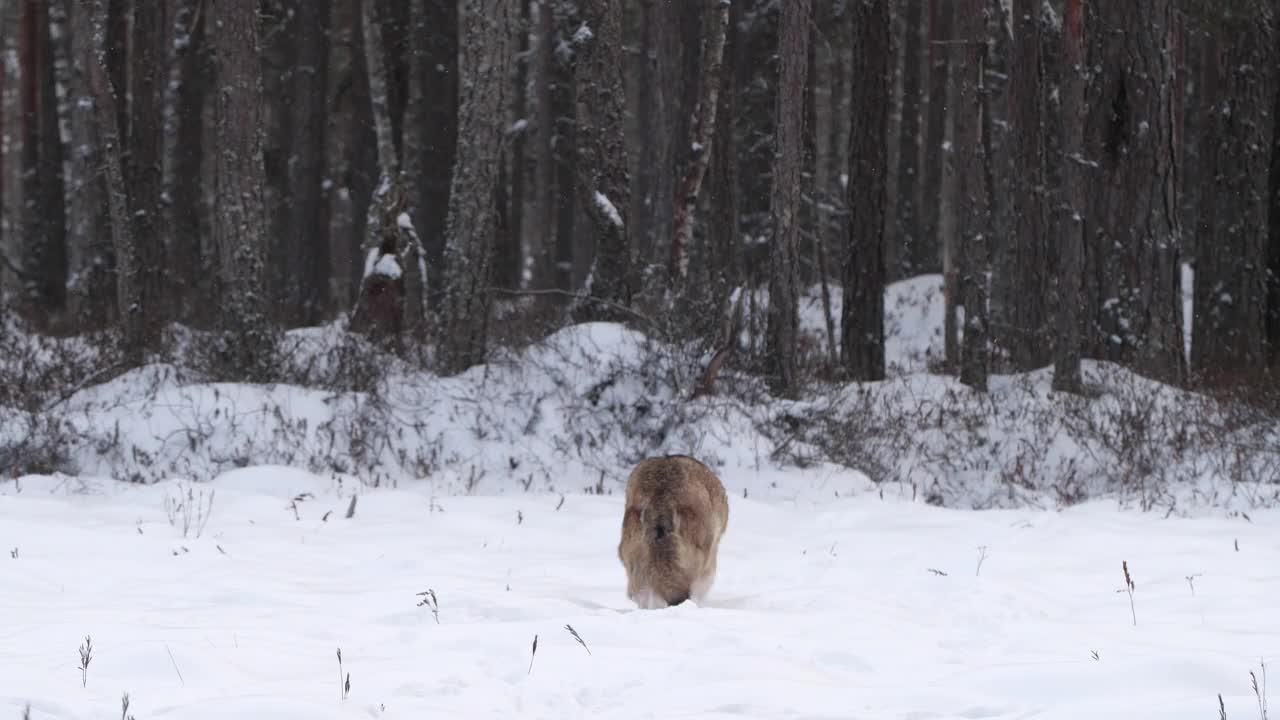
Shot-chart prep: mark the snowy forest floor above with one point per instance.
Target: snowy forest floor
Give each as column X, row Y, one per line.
column 858, row 607
column 222, row 580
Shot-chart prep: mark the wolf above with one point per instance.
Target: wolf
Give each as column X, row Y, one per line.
column 676, row 512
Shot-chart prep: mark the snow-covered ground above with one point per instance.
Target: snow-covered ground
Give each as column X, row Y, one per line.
column 857, row 607
column 223, row 580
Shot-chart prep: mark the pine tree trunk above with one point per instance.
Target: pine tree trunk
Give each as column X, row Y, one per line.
column 44, row 242
column 862, row 316
column 1070, row 188
column 91, row 259
column 1024, row 334
column 129, row 300
column 935, row 134
column 1135, row 240
column 972, row 145
column 441, row 77
column 240, row 177
column 604, row 184
column 189, row 214
column 785, row 201
column 144, row 164
column 1273, row 242
column 915, row 254
column 722, row 189
column 484, row 60
column 1229, row 332
column 307, row 292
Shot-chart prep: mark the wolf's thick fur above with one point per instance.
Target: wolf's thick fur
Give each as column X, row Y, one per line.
column 676, row 512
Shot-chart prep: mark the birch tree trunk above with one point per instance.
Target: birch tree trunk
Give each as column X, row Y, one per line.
column 783, row 318
column 484, row 60
column 862, row 314
column 248, row 346
column 690, row 184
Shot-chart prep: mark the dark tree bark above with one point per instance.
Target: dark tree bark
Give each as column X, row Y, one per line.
column 509, row 261
column 722, row 190
column 541, row 198
column 862, row 316
column 1273, row 243
column 440, row 136
column 90, row 256
column 915, row 255
column 785, row 201
column 563, row 104
column 145, row 159
column 757, row 98
column 1070, row 188
column 1024, row 332
column 135, row 342
column 1230, row 291
column 935, row 133
column 971, row 146
column 240, row 177
column 1134, row 245
column 701, row 137
column 189, row 213
column 604, row 184
column 306, row 292
column 280, row 38
column 483, row 61
column 44, row 245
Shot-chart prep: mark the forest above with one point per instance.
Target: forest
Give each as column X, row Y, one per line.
column 452, row 178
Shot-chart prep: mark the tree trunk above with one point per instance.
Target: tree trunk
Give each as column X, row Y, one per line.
column 1273, row 243
column 1229, row 331
column 1070, row 225
column 90, row 258
column 1024, row 333
column 915, row 254
column 722, row 227
column 147, row 80
column 44, row 245
column 129, row 300
column 248, row 342
column 862, row 316
column 784, row 206
column 935, row 134
column 189, row 214
column 541, row 199
column 604, row 184
column 307, row 289
column 441, row 133
column 484, row 60
column 972, row 144
column 1134, row 244
column 702, row 135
